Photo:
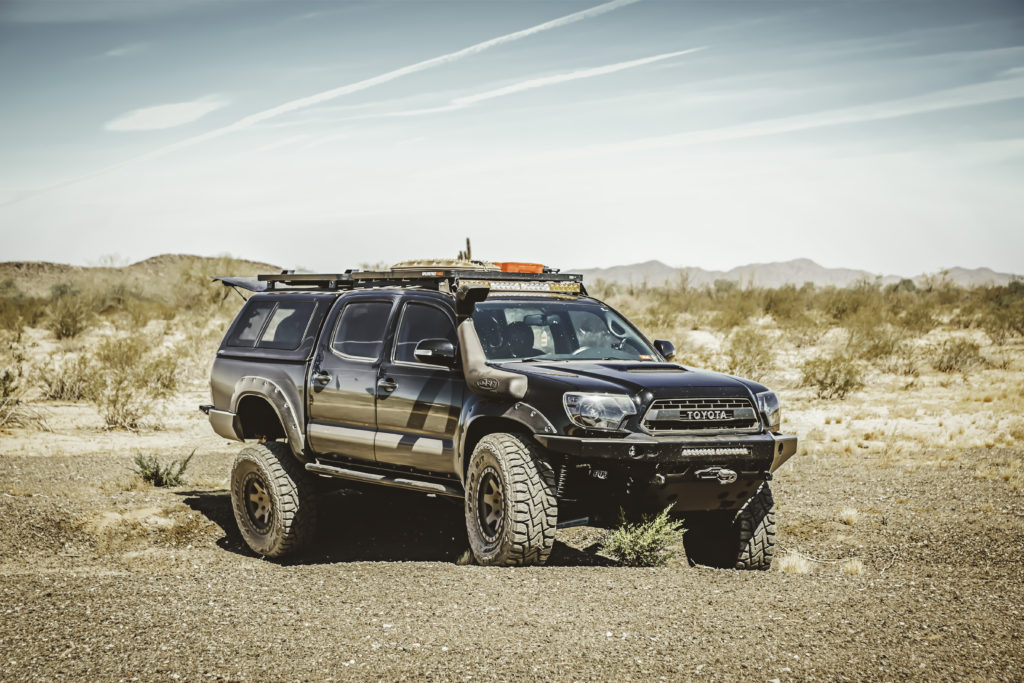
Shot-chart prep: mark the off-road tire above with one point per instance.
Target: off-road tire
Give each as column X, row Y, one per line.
column 744, row 539
column 505, row 469
column 274, row 499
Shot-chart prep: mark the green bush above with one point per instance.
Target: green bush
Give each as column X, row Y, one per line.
column 831, row 377
column 649, row 543
column 958, row 355
column 152, row 472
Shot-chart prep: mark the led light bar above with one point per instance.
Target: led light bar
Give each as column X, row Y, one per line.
column 525, row 286
column 715, row 451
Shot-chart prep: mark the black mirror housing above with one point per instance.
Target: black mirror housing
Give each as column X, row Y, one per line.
column 435, row 352
column 665, row 348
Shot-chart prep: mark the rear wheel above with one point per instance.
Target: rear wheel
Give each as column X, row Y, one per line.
column 511, row 509
column 274, row 499
column 743, row 539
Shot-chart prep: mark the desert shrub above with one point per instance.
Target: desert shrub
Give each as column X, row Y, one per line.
column 902, row 361
column 648, row 543
column 66, row 378
column 918, row 316
column 831, row 377
column 733, row 306
column 864, row 296
column 18, row 310
column 749, row 353
column 131, row 378
column 69, row 316
column 871, row 341
column 14, row 411
column 958, row 355
column 163, row 369
column 194, row 287
column 152, row 472
column 123, row 403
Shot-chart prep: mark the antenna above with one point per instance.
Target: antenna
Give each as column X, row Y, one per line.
column 468, row 254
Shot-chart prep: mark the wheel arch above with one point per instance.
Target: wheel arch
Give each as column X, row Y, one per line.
column 265, row 410
column 488, row 417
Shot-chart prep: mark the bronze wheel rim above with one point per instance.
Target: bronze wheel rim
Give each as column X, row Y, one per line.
column 490, row 504
column 258, row 503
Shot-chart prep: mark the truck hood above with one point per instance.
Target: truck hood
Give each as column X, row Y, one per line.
column 657, row 379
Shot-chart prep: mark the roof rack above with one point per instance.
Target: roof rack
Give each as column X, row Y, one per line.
column 440, row 279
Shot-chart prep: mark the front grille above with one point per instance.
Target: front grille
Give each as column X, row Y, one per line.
column 701, row 415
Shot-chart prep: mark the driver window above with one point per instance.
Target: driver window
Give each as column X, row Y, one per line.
column 419, row 322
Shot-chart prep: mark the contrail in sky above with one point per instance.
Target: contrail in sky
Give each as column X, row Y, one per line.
column 571, row 76
column 334, row 93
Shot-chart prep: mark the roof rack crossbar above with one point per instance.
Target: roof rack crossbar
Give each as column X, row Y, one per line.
column 444, row 279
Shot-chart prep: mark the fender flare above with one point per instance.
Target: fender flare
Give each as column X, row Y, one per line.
column 273, row 394
column 523, row 414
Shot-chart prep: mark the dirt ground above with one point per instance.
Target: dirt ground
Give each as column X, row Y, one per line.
column 900, row 556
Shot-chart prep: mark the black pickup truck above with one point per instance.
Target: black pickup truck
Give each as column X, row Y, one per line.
column 516, row 392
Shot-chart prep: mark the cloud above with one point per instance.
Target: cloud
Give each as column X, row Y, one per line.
column 328, row 95
column 973, row 95
column 164, row 116
column 570, row 76
column 126, row 50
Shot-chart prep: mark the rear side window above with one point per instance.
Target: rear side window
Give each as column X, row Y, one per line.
column 272, row 324
column 248, row 327
column 419, row 322
column 361, row 329
column 287, row 325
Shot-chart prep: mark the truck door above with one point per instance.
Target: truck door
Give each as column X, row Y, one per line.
column 418, row 405
column 343, row 379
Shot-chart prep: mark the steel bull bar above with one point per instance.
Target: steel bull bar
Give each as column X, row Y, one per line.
column 756, row 450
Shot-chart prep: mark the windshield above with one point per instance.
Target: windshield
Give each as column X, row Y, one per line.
column 556, row 330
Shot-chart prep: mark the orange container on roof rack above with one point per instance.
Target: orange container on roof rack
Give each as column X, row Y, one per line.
column 513, row 267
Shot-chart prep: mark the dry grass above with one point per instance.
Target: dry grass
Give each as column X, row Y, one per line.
column 849, row 516
column 853, row 567
column 793, row 563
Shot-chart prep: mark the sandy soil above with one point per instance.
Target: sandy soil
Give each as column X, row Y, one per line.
column 103, row 578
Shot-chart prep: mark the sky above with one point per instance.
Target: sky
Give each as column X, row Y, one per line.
column 887, row 136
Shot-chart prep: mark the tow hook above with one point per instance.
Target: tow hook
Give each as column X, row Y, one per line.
column 721, row 474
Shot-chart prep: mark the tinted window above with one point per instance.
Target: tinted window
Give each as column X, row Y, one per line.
column 557, row 330
column 419, row 322
column 361, row 329
column 287, row 325
column 250, row 323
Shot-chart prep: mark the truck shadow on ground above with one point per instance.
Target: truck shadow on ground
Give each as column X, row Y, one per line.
column 374, row 524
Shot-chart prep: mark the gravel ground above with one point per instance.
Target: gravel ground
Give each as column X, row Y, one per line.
column 105, row 580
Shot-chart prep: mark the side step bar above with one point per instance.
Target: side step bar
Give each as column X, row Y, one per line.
column 386, row 480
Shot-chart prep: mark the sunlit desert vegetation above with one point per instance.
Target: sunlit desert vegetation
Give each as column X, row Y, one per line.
column 911, row 371
column 122, row 339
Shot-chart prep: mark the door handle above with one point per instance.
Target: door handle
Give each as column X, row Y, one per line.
column 321, row 377
column 387, row 384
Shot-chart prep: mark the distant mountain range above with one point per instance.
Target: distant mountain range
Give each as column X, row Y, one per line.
column 153, row 274
column 795, row 272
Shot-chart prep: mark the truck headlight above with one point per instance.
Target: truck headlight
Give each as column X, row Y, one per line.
column 598, row 411
column 771, row 410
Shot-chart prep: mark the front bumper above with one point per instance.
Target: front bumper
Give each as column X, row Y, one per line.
column 756, row 452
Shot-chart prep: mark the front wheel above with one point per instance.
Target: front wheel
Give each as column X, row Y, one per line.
column 274, row 499
column 511, row 508
column 734, row 540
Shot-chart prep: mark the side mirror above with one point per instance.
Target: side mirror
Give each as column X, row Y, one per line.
column 435, row 352
column 665, row 348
